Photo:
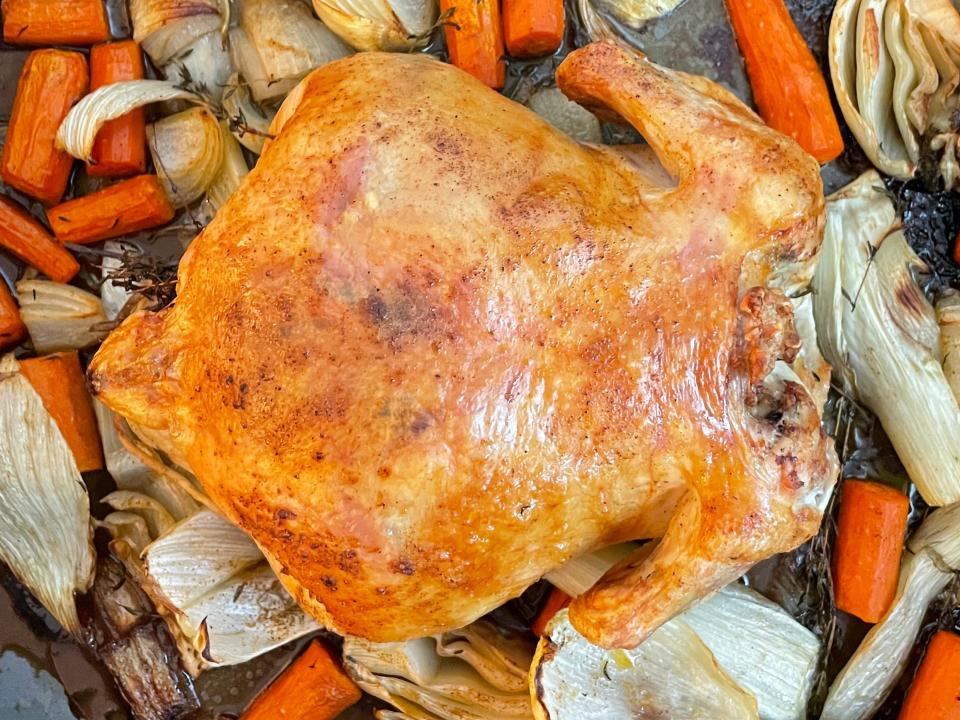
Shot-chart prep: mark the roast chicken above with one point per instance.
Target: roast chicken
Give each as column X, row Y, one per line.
column 433, row 348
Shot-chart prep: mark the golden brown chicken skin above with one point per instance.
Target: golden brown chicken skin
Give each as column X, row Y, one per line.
column 432, row 348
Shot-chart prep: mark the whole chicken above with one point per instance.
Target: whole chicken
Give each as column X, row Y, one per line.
column 433, row 348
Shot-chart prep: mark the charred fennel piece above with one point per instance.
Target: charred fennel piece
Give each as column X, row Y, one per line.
column 138, row 650
column 60, row 316
column 881, row 336
column 671, row 675
column 933, row 557
column 379, row 24
column 187, row 150
column 45, row 534
column 218, row 587
column 475, row 672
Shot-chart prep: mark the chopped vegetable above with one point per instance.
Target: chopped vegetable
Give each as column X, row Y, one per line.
column 150, row 16
column 564, row 114
column 788, row 87
column 532, row 28
column 120, row 147
column 60, row 317
column 228, row 604
column 45, row 533
column 475, row 39
column 880, row 334
column 478, row 671
column 139, row 203
column 78, row 132
column 556, row 601
column 948, row 317
column 314, row 687
column 672, row 675
column 866, row 555
column 278, row 42
column 933, row 556
column 232, row 170
column 761, row 647
column 26, row 238
column 249, row 123
column 935, row 692
column 50, row 83
column 12, row 329
column 633, row 13
column 379, row 24
column 59, row 381
column 187, row 150
column 64, row 22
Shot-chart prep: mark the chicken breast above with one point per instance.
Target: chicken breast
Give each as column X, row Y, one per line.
column 433, row 348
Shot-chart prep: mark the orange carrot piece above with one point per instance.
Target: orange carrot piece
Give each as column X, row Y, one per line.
column 24, row 237
column 120, row 146
column 12, row 329
column 59, row 22
column 50, row 83
column 870, row 533
column 475, row 39
column 314, row 687
column 556, row 601
column 935, row 692
column 788, row 86
column 125, row 207
column 60, row 383
column 532, row 28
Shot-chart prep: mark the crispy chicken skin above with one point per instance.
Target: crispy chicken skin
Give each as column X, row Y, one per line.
column 432, row 348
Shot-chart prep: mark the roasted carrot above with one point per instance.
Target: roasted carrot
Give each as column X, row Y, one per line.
column 60, row 383
column 24, row 237
column 59, row 22
column 532, row 28
column 50, row 83
column 314, row 687
column 475, row 39
column 125, row 207
column 935, row 692
column 788, row 86
column 12, row 329
column 120, row 146
column 870, row 533
column 556, row 601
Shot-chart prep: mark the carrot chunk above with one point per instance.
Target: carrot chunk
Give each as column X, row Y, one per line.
column 120, row 146
column 532, row 28
column 475, row 39
column 59, row 381
column 314, row 687
column 59, row 22
column 556, row 601
column 935, row 692
column 50, row 83
column 870, row 532
column 788, row 86
column 125, row 207
column 12, row 329
column 24, row 237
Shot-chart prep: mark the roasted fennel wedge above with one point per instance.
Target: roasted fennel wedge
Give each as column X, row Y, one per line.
column 45, row 532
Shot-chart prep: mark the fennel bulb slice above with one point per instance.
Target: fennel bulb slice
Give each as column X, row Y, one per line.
column 932, row 556
column 670, row 676
column 222, row 593
column 880, row 334
column 59, row 316
column 45, row 531
column 475, row 672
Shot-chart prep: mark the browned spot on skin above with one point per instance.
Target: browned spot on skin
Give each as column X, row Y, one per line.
column 789, row 477
column 420, row 423
column 348, row 562
column 383, row 472
column 403, row 566
column 283, row 514
column 329, row 582
column 382, row 591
